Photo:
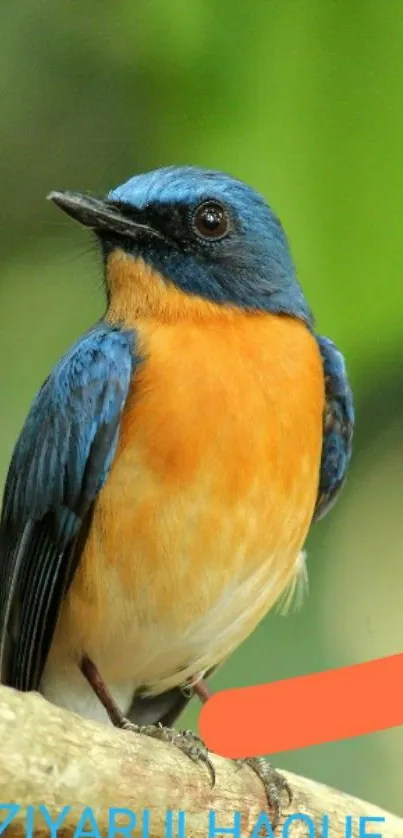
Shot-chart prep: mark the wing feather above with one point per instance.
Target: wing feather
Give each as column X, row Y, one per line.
column 338, row 428
column 61, row 461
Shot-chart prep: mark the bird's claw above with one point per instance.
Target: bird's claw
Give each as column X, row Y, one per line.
column 185, row 740
column 275, row 784
column 189, row 743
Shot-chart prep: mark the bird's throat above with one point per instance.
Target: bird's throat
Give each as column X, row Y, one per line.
column 137, row 291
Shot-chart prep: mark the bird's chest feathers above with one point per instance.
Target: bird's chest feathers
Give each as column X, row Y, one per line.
column 224, row 401
column 211, row 492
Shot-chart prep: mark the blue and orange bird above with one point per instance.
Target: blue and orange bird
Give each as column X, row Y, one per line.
column 170, row 467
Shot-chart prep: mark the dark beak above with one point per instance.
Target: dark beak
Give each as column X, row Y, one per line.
column 101, row 214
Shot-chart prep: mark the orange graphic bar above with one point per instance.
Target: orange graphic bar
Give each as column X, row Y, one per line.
column 308, row 710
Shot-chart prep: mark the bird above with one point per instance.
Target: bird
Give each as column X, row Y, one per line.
column 165, row 480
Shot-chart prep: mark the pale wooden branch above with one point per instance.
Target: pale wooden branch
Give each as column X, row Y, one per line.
column 50, row 756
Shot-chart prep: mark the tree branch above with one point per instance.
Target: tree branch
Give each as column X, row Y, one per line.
column 52, row 757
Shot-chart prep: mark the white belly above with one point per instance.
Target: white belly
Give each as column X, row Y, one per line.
column 69, row 689
column 157, row 658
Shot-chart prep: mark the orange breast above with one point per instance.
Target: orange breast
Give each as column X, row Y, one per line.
column 198, row 528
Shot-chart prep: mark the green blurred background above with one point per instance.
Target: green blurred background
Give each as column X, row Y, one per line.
column 304, row 101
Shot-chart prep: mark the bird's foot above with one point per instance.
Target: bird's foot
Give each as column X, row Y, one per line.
column 185, row 740
column 275, row 785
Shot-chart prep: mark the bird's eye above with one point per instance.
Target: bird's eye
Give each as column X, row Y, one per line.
column 211, row 220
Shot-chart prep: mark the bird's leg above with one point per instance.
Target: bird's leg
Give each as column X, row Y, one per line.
column 199, row 688
column 274, row 783
column 186, row 741
column 202, row 691
column 95, row 681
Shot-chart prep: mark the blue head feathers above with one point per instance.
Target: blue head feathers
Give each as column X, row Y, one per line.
column 207, row 232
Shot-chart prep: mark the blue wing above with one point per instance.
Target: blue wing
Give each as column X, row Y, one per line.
column 60, row 462
column 338, row 428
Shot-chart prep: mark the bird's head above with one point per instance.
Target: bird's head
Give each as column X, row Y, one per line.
column 180, row 238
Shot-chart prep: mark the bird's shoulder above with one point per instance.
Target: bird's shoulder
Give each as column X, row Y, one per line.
column 80, row 396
